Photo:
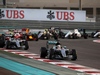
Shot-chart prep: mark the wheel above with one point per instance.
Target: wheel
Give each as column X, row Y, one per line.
column 74, row 36
column 2, row 41
column 51, row 53
column 43, row 52
column 69, row 36
column 74, row 55
column 85, row 35
column 55, row 36
column 46, row 37
column 92, row 35
column 36, row 37
column 26, row 46
column 7, row 44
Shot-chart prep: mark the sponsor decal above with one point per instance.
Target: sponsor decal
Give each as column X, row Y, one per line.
column 50, row 15
column 15, row 14
column 1, row 13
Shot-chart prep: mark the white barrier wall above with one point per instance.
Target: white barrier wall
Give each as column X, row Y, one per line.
column 42, row 14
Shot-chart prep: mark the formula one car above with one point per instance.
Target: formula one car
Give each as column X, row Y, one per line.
column 95, row 34
column 73, row 34
column 31, row 37
column 55, row 33
column 59, row 32
column 57, row 52
column 14, row 43
column 76, row 34
column 45, row 35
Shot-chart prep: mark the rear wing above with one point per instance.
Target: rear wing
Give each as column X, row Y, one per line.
column 50, row 42
column 53, row 42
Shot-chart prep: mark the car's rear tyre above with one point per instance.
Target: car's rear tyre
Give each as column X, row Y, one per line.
column 74, row 55
column 26, row 45
column 85, row 35
column 69, row 36
column 36, row 39
column 51, row 53
column 7, row 46
column 2, row 41
column 43, row 52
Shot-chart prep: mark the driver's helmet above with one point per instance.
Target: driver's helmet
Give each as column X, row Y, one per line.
column 46, row 29
column 59, row 47
column 65, row 47
column 54, row 47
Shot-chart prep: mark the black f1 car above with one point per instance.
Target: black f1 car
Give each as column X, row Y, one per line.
column 53, row 52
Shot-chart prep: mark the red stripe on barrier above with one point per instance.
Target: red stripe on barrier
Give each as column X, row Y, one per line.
column 77, row 67
column 92, row 71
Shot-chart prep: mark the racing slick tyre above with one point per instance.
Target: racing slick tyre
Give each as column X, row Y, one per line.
column 2, row 41
column 36, row 37
column 26, row 46
column 74, row 36
column 43, row 52
column 70, row 37
column 92, row 35
column 7, row 44
column 74, row 55
column 51, row 53
column 85, row 35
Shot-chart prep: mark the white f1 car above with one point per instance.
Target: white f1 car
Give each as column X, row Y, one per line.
column 73, row 34
column 57, row 51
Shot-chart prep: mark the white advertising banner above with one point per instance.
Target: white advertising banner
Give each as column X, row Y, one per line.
column 42, row 14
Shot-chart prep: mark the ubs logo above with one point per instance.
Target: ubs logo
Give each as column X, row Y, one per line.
column 50, row 15
column 1, row 13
